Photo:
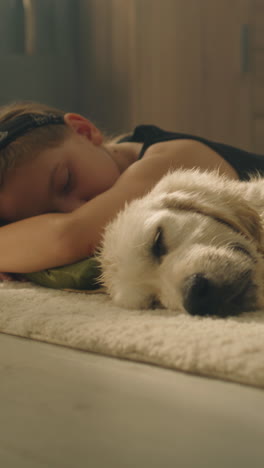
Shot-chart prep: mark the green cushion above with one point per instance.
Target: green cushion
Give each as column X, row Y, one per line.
column 80, row 275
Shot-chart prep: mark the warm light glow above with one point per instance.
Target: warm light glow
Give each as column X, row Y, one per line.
column 30, row 26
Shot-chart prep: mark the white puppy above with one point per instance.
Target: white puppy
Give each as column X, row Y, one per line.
column 194, row 243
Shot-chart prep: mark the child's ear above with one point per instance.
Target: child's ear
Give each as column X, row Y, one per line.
column 83, row 126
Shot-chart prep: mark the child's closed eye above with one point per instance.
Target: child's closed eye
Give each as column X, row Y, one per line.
column 68, row 183
column 64, row 181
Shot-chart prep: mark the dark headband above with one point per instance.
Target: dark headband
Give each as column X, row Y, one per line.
column 19, row 126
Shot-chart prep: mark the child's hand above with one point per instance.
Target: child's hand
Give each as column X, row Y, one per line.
column 11, row 277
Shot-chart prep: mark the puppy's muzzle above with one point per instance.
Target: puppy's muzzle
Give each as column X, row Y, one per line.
column 202, row 296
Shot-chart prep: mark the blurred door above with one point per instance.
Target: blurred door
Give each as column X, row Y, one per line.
column 195, row 66
column 227, row 71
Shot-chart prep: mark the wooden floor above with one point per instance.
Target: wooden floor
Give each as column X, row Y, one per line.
column 62, row 408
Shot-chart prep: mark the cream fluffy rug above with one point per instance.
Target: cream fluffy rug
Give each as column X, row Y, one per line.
column 230, row 349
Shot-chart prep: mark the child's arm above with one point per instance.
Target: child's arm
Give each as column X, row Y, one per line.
column 55, row 239
column 34, row 243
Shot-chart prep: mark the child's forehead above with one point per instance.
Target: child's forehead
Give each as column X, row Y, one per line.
column 62, row 149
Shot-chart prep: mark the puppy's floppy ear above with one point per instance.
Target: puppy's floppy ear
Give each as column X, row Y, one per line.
column 239, row 215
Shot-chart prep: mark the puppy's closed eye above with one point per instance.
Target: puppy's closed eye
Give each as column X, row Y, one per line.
column 159, row 248
column 240, row 248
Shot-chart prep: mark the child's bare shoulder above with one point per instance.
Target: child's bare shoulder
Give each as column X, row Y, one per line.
column 185, row 153
column 172, row 147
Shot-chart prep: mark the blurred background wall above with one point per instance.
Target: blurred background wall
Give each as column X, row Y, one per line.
column 195, row 66
column 39, row 51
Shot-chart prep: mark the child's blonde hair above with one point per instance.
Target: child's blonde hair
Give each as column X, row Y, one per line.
column 30, row 144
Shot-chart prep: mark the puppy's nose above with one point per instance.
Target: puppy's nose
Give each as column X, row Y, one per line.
column 199, row 296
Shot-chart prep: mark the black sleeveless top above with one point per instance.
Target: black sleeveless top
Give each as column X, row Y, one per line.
column 246, row 164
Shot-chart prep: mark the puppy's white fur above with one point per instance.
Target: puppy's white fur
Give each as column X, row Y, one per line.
column 191, row 224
